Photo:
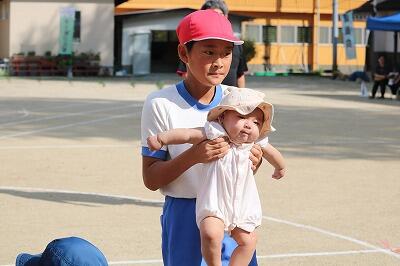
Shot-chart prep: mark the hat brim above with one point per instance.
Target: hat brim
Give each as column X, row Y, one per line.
column 265, row 107
column 234, row 41
column 25, row 259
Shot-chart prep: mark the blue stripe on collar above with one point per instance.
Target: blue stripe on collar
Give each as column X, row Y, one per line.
column 194, row 102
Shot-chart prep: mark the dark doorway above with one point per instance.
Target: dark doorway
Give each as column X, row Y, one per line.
column 164, row 55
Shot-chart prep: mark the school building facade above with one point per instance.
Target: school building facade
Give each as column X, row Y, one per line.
column 34, row 27
column 288, row 35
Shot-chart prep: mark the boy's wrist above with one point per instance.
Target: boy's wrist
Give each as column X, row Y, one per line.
column 159, row 139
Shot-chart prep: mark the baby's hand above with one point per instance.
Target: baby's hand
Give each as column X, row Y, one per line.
column 153, row 143
column 278, row 173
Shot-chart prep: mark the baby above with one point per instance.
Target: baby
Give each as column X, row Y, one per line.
column 227, row 199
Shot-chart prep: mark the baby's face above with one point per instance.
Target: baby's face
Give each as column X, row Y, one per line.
column 243, row 128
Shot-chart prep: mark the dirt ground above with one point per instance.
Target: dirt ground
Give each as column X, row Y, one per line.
column 70, row 164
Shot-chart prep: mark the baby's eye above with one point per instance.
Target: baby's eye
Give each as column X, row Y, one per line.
column 256, row 123
column 208, row 52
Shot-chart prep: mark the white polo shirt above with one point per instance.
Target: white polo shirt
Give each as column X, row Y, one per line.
column 169, row 108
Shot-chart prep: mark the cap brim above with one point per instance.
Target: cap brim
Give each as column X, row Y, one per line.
column 234, row 41
column 24, row 259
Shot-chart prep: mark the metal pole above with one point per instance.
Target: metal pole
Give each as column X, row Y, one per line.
column 335, row 35
column 317, row 37
column 395, row 50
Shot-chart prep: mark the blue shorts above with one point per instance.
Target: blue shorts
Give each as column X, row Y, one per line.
column 181, row 236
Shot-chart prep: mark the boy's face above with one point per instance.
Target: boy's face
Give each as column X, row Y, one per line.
column 209, row 61
column 242, row 128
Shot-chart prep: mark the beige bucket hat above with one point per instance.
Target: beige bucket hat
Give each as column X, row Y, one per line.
column 244, row 101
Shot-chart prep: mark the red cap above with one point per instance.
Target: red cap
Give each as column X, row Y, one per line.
column 203, row 25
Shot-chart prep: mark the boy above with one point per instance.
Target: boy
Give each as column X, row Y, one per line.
column 228, row 199
column 205, row 45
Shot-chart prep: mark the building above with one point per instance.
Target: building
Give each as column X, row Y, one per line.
column 148, row 42
column 288, row 35
column 34, row 26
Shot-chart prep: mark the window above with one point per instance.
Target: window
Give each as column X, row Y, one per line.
column 77, row 26
column 303, row 34
column 288, row 34
column 269, row 34
column 358, row 35
column 160, row 36
column 340, row 36
column 172, row 37
column 163, row 36
column 253, row 33
column 324, row 35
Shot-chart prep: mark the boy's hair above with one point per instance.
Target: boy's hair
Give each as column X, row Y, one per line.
column 216, row 4
column 189, row 45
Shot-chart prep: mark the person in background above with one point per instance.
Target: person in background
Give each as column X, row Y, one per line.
column 238, row 68
column 380, row 77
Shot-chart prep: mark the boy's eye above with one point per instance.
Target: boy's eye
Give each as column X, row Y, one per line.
column 208, row 52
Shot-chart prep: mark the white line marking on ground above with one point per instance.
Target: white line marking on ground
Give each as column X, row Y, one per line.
column 40, row 110
column 374, row 249
column 22, row 113
column 63, row 126
column 71, row 114
column 135, row 262
column 315, row 254
column 58, row 106
column 39, row 147
column 325, row 232
column 273, row 256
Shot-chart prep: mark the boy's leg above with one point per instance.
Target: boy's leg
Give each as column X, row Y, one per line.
column 243, row 253
column 211, row 233
column 228, row 246
column 180, row 234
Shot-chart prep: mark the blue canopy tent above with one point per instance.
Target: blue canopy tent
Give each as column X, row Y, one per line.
column 387, row 23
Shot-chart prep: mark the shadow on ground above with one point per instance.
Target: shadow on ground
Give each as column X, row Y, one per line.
column 338, row 133
column 76, row 198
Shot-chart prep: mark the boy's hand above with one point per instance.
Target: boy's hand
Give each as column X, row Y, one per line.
column 153, row 143
column 278, row 173
column 210, row 150
column 255, row 156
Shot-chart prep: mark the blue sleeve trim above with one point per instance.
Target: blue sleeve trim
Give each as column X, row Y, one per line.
column 160, row 154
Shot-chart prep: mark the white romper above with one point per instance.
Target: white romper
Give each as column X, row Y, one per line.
column 228, row 190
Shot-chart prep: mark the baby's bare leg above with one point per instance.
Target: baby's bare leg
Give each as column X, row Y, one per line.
column 246, row 246
column 212, row 233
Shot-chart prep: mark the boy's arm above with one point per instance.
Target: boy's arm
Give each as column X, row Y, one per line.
column 158, row 173
column 176, row 136
column 275, row 158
